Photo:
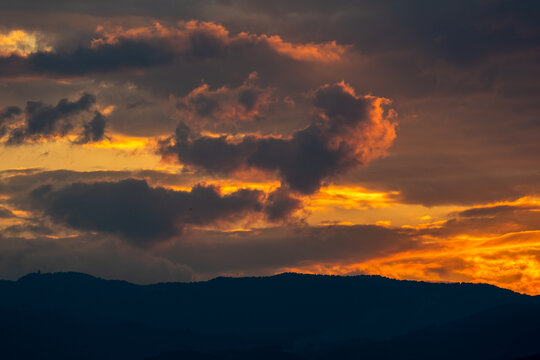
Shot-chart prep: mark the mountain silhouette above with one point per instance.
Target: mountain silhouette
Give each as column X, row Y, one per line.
column 286, row 316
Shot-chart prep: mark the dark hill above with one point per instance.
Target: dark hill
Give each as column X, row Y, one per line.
column 309, row 315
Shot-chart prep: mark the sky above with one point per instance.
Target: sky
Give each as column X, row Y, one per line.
column 167, row 140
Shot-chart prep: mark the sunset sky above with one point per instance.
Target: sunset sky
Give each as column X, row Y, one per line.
column 171, row 140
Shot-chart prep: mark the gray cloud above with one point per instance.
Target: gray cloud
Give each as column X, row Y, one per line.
column 17, row 182
column 47, row 121
column 485, row 221
column 139, row 213
column 496, row 210
column 6, row 115
column 154, row 46
column 105, row 58
column 94, row 130
column 281, row 204
column 5, row 213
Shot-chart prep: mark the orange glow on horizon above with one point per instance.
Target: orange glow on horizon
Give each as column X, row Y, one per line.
column 510, row 261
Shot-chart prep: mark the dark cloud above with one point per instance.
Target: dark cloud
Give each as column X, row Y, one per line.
column 203, row 105
column 458, row 47
column 94, row 130
column 7, row 114
column 459, row 32
column 126, row 54
column 347, row 134
column 280, row 205
column 152, row 46
column 496, row 210
column 248, row 98
column 44, row 119
column 47, row 121
column 489, row 221
column 5, row 213
column 15, row 183
column 139, row 213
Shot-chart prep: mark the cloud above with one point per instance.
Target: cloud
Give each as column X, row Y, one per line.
column 206, row 108
column 156, row 45
column 350, row 130
column 5, row 213
column 9, row 112
column 6, row 115
column 497, row 210
column 43, row 119
column 16, row 182
column 281, row 204
column 84, row 60
column 94, row 130
column 200, row 39
column 139, row 213
column 21, row 43
column 492, row 220
column 47, row 121
column 144, row 215
column 494, row 243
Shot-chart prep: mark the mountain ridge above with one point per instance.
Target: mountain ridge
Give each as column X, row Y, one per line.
column 81, row 275
column 309, row 316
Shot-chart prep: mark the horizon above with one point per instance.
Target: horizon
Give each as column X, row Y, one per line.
column 52, row 274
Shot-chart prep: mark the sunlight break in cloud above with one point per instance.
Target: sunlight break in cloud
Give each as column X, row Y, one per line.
column 21, row 43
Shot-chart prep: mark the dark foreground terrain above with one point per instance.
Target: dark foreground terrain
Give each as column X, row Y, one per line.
column 287, row 316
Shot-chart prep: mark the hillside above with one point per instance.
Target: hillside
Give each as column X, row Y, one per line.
column 293, row 315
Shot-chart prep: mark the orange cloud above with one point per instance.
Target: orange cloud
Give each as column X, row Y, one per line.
column 206, row 108
column 21, row 43
column 187, row 35
column 323, row 52
column 349, row 197
column 463, row 250
column 370, row 139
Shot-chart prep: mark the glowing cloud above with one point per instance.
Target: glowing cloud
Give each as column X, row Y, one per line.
column 199, row 39
column 21, row 43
